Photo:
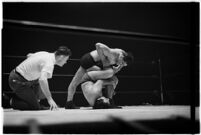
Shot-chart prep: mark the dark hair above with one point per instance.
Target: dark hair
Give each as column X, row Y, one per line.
column 128, row 58
column 63, row 50
column 100, row 104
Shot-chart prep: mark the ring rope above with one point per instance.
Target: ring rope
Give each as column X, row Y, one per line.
column 122, row 76
column 127, row 34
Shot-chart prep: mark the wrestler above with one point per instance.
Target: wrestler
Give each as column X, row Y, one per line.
column 104, row 57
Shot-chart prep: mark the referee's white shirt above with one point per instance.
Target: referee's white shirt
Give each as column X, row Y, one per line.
column 35, row 64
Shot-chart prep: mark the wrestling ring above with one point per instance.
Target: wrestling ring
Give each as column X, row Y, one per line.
column 144, row 117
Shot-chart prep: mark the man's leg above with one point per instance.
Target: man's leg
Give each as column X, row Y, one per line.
column 93, row 68
column 25, row 98
column 72, row 88
column 28, row 95
column 17, row 103
column 102, row 74
column 74, row 83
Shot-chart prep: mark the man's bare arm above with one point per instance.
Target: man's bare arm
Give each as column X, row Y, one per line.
column 104, row 53
column 45, row 89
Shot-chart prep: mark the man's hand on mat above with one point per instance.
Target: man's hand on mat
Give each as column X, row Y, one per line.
column 53, row 105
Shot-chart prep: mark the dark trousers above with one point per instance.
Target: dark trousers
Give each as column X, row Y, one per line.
column 27, row 93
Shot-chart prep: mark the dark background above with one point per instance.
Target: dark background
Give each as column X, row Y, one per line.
column 142, row 82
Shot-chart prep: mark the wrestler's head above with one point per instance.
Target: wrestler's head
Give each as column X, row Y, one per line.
column 102, row 103
column 128, row 58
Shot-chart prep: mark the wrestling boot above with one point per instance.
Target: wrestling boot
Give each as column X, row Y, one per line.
column 71, row 105
column 113, row 106
column 42, row 107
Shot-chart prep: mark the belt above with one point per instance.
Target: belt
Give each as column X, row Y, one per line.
column 20, row 75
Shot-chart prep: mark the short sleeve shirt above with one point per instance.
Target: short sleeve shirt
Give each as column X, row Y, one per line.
column 35, row 64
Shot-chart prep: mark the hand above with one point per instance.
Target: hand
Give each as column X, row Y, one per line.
column 117, row 68
column 53, row 105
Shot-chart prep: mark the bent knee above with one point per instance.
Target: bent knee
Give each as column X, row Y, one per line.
column 94, row 68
